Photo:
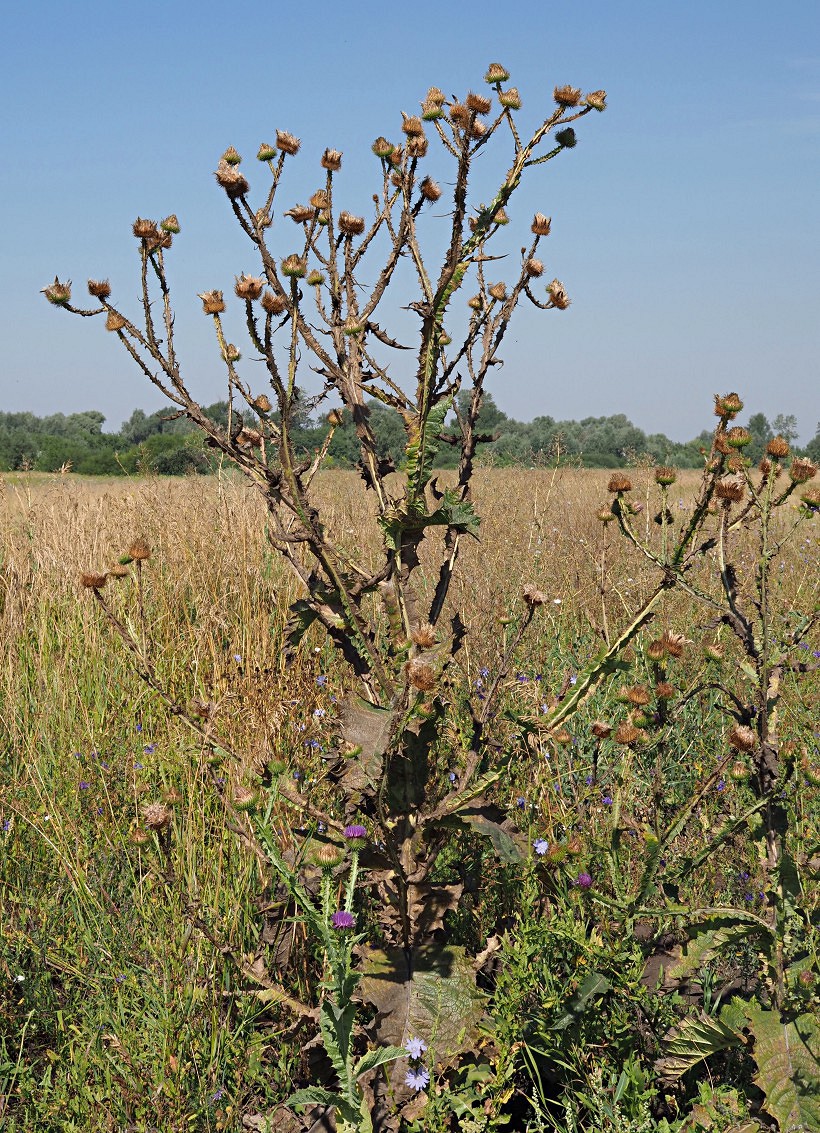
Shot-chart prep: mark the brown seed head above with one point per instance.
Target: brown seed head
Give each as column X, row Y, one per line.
column 421, row 675
column 156, row 816
column 498, row 291
column 496, row 74
column 351, row 225
column 320, row 199
column 248, row 287
column 811, row 497
column 478, row 103
column 619, row 482
column 115, row 321
column 510, row 99
column 266, row 152
column 332, row 160
column 728, row 405
column 475, row 303
column 412, row 126
column 459, row 114
column 231, row 180
column 601, row 730
column 424, row 635
column 665, row 691
column 626, row 733
column 664, row 475
column 92, row 581
column 145, row 229
column 778, row 447
column 534, row 267
column 429, row 189
column 558, row 295
column 638, row 695
column 262, row 403
column 140, row 836
column 596, row 99
column 249, row 438
column 567, row 96
column 435, row 95
column 674, row 643
column 562, row 737
column 212, row 302
column 802, row 470
column 713, row 651
column 139, row 550
column 274, row 304
column 335, row 418
column 170, row 224
column 732, row 489
column 656, row 650
column 605, row 514
column 737, row 463
column 430, row 111
column 533, row 596
column 301, row 214
column 765, row 467
column 287, row 143
column 99, row 288
column 416, row 146
column 742, row 738
column 541, row 224
column 118, row 570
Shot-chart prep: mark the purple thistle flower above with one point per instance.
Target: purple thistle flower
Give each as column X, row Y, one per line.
column 520, row 802
column 342, row 920
column 607, row 800
column 417, row 1079
column 355, row 832
column 322, row 680
column 83, row 785
column 540, row 845
column 583, row 881
column 415, row 1048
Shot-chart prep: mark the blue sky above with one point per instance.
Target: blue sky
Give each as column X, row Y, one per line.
column 686, row 226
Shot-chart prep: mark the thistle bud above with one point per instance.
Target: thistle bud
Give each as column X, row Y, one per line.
column 777, row 447
column 293, row 267
column 739, row 438
column 566, row 138
column 713, row 652
column 665, row 691
column 728, row 405
column 287, row 143
column 170, row 224
column 435, row 96
column 496, row 74
column 332, row 160
column 562, row 737
column 266, row 152
column 478, row 103
column 115, row 321
column 248, row 287
column 558, row 295
column 328, row 856
column 350, row 225
column 541, row 224
column 811, row 497
column 605, row 515
column 58, row 293
column 245, row 799
column 212, row 302
column 618, row 483
column 315, row 278
column 140, row 836
column 430, row 111
column 739, row 771
column 231, row 156
column 352, row 326
column 567, row 96
column 274, row 304
column 99, row 288
column 510, row 99
column 596, row 100
column 424, row 635
column 665, row 476
column 382, row 148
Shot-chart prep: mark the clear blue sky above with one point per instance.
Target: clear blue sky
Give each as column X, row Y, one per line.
column 686, row 223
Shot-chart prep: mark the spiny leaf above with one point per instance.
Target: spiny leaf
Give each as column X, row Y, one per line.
column 422, row 446
column 377, row 1057
column 709, row 940
column 788, row 1067
column 696, row 1038
column 593, row 987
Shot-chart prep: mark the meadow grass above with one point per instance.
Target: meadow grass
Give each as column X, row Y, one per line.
column 121, row 1007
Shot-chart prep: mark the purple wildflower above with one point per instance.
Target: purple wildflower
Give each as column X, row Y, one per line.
column 343, row 920
column 520, row 802
column 417, row 1079
column 415, row 1048
column 607, row 800
column 321, row 680
column 355, row 832
column 540, row 845
column 583, row 881
column 83, row 785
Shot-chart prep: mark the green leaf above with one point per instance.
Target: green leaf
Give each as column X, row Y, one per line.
column 336, row 1024
column 710, row 938
column 422, row 446
column 593, row 987
column 378, row 1057
column 318, row 1095
column 788, row 1067
column 696, row 1038
column 302, row 617
column 484, row 820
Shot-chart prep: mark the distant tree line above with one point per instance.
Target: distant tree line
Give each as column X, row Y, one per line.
column 162, row 443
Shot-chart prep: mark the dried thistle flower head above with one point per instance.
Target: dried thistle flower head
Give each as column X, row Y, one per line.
column 541, row 224
column 777, row 447
column 266, row 152
column 478, row 103
column 145, row 229
column 605, row 514
column 301, row 214
column 417, row 146
column 421, row 675
column 231, row 156
column 728, row 405
column 332, row 160
column 382, row 148
column 118, row 570
column 212, row 302
column 99, row 288
column 665, row 691
column 262, row 403
column 742, row 738
column 619, row 482
column 596, row 99
column 737, row 463
column 731, row 489
column 139, row 550
column 566, row 138
column 499, row 291
column 558, row 295
column 424, row 636
column 156, row 816
column 430, row 111
column 140, row 836
column 496, row 74
column 170, row 224
column 249, row 438
column 567, row 96
column 115, row 321
column 294, row 267
column 674, row 643
column 656, row 651
column 534, row 267
column 713, row 651
column 562, row 737
column 802, row 470
column 638, row 695
column 231, row 180
column 202, row 708
column 435, row 95
column 626, row 733
column 475, row 303
column 92, row 581
column 287, row 143
column 320, row 199
column 811, row 497
column 335, row 418
column 533, row 596
column 738, row 437
column 248, row 287
column 601, row 730
column 429, row 189
column 459, row 114
column 412, row 126
column 665, row 476
column 274, row 304
column 510, row 99
column 351, row 225
column 58, row 293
